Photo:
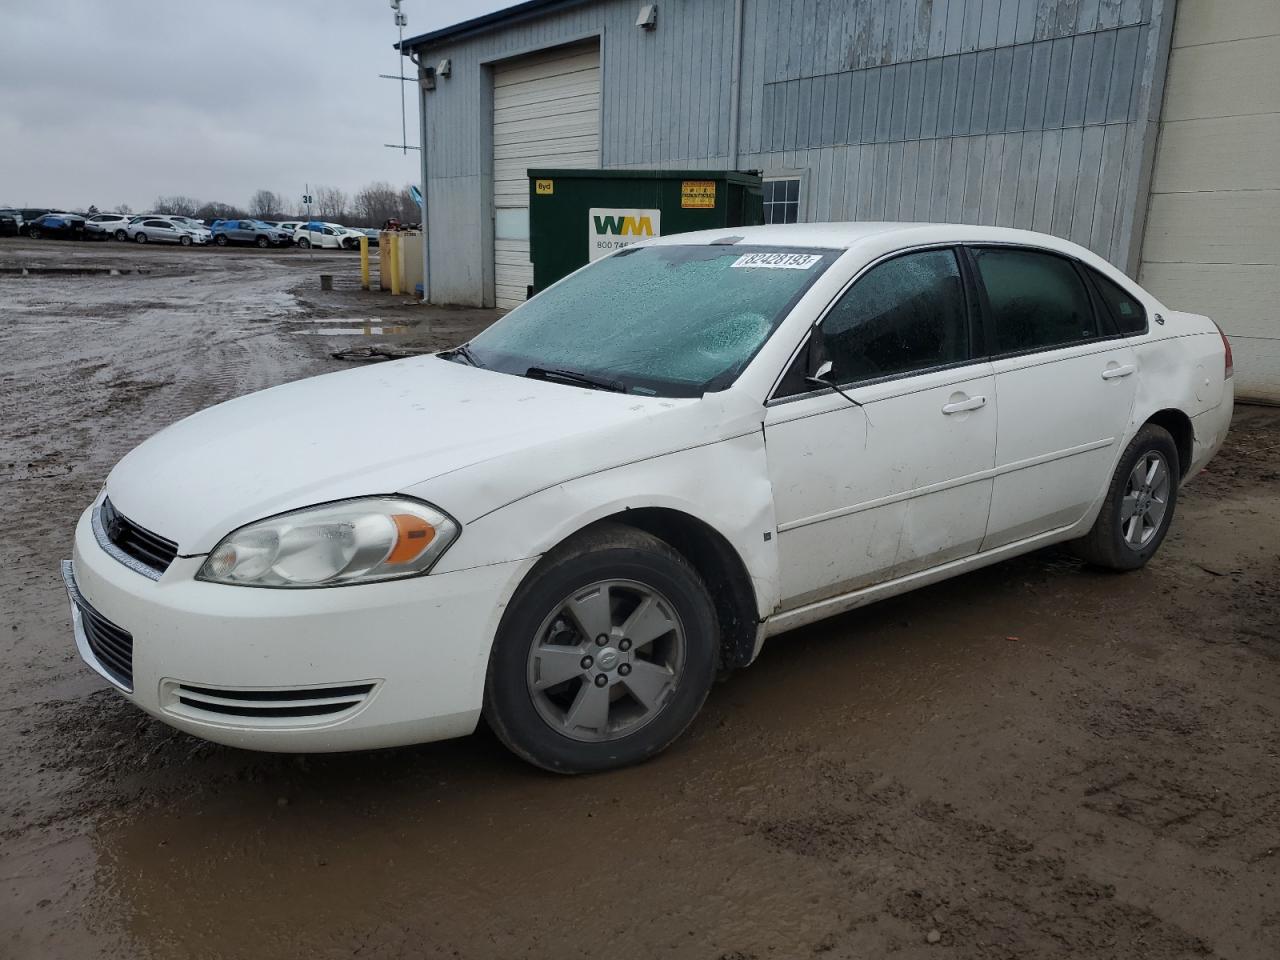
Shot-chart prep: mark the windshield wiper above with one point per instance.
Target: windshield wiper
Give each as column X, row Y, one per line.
column 462, row 353
column 577, row 379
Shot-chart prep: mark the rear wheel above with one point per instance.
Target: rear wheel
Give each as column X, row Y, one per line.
column 122, row 236
column 1140, row 504
column 605, row 654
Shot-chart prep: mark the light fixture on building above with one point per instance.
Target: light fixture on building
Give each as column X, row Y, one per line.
column 444, row 68
column 427, row 78
column 648, row 18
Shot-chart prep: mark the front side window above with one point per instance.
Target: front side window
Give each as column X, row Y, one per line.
column 1129, row 315
column 904, row 315
column 673, row 321
column 1038, row 301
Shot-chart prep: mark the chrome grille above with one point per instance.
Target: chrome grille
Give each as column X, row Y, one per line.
column 149, row 549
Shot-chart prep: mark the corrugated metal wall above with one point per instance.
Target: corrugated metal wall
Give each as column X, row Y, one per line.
column 1029, row 113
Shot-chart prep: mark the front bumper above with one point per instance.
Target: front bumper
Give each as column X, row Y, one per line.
column 341, row 668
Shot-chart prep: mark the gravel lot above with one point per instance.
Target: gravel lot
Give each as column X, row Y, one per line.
column 1035, row 760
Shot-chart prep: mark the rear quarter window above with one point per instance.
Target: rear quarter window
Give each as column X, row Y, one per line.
column 1128, row 314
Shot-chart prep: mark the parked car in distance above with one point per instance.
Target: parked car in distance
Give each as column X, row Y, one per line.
column 571, row 524
column 373, row 234
column 57, row 226
column 314, row 233
column 111, row 224
column 289, row 227
column 254, row 232
column 166, row 230
column 10, row 222
column 29, row 215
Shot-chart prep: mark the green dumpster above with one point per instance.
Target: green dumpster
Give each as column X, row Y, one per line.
column 576, row 216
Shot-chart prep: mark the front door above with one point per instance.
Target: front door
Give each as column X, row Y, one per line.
column 901, row 481
column 1066, row 387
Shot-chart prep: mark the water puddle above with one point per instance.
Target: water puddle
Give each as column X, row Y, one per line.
column 367, row 330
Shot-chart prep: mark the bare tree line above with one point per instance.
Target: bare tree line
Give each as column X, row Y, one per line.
column 372, row 205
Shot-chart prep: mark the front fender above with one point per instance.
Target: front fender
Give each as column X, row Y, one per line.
column 724, row 484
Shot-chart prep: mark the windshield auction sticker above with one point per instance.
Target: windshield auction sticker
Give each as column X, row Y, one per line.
column 777, row 261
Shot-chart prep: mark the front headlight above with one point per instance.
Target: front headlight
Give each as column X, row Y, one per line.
column 354, row 541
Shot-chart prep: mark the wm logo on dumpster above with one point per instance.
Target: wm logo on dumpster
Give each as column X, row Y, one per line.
column 625, row 226
column 612, row 229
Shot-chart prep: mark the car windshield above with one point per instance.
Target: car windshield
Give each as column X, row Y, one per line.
column 674, row 321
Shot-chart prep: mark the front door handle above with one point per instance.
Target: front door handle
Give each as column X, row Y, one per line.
column 960, row 406
column 1114, row 373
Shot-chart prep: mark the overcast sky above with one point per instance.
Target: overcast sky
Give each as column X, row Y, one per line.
column 120, row 101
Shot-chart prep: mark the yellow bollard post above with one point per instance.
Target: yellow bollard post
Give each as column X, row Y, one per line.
column 395, row 265
column 364, row 263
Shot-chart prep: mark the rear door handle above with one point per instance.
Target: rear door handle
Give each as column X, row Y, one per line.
column 960, row 406
column 1114, row 373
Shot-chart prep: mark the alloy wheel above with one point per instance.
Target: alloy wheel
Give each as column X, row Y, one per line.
column 606, row 660
column 1145, row 501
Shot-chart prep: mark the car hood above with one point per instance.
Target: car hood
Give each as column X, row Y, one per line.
column 382, row 429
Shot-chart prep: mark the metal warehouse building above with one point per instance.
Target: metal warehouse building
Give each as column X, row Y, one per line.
column 1146, row 130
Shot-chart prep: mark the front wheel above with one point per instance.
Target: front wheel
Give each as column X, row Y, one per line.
column 185, row 241
column 604, row 655
column 122, row 236
column 140, row 237
column 34, row 233
column 304, row 243
column 262, row 243
column 1139, row 506
column 221, row 240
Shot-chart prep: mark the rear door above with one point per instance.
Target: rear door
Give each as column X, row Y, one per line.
column 899, row 479
column 1065, row 383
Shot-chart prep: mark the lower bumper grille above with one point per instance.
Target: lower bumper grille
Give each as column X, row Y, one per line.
column 280, row 707
column 111, row 646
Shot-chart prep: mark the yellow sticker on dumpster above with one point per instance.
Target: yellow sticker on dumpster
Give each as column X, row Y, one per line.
column 544, row 188
column 698, row 194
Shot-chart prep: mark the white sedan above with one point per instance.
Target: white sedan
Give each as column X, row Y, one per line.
column 572, row 523
column 325, row 235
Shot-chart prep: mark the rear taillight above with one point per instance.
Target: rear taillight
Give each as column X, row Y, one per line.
column 1228, row 362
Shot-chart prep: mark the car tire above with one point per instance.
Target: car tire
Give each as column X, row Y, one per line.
column 140, row 237
column 34, row 233
column 1139, row 507
column 185, row 241
column 304, row 243
column 628, row 693
column 262, row 243
column 122, row 236
column 221, row 240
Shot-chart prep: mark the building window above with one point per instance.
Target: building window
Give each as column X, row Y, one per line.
column 782, row 200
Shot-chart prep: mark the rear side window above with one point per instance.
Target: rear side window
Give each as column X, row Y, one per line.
column 1129, row 315
column 1038, row 301
column 906, row 314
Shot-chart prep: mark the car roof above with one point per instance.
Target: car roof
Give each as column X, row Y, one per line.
column 845, row 236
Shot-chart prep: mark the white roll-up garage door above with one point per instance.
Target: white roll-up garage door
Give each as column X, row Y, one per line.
column 1212, row 242
column 546, row 113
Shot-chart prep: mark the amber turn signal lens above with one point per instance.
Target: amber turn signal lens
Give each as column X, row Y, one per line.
column 413, row 535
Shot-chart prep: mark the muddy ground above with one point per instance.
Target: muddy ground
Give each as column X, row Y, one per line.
column 1035, row 760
